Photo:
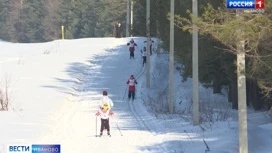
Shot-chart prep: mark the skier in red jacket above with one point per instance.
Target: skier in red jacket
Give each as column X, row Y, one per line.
column 131, row 87
column 132, row 46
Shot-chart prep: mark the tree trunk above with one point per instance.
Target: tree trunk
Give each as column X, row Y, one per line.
column 234, row 95
column 256, row 96
column 216, row 85
column 249, row 93
column 229, row 93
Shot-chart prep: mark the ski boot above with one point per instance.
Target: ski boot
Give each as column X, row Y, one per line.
column 109, row 134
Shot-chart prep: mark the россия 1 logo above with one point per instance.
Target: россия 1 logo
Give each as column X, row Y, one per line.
column 245, row 4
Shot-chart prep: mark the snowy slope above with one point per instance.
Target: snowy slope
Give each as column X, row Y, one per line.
column 55, row 88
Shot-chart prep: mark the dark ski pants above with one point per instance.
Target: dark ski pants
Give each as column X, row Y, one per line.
column 131, row 54
column 150, row 50
column 105, row 125
column 144, row 60
column 131, row 94
column 118, row 35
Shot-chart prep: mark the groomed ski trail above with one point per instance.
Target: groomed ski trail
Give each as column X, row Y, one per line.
column 74, row 124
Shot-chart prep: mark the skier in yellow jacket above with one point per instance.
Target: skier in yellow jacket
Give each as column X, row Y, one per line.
column 104, row 114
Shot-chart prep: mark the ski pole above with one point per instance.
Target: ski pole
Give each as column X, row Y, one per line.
column 119, row 129
column 95, row 126
column 125, row 93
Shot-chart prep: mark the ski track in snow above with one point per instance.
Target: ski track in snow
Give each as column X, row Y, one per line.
column 75, row 121
column 74, row 124
column 67, row 116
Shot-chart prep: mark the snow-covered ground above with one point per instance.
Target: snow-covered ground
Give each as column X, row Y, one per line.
column 54, row 89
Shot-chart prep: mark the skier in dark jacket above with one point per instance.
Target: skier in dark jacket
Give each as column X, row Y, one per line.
column 119, row 30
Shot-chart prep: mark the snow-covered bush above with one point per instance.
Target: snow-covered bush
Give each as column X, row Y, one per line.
column 270, row 114
column 213, row 111
column 4, row 95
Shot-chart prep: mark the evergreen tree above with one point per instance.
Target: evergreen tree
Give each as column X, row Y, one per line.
column 32, row 22
column 52, row 24
column 111, row 12
column 222, row 25
column 5, row 23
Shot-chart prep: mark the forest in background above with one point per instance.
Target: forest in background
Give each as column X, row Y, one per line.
column 32, row 21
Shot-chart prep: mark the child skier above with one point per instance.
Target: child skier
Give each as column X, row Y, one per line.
column 105, row 99
column 131, row 87
column 144, row 55
column 151, row 44
column 132, row 46
column 104, row 114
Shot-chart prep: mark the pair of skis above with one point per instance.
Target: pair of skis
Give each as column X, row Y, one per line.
column 102, row 135
column 96, row 135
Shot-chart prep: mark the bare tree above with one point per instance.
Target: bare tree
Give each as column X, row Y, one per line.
column 5, row 94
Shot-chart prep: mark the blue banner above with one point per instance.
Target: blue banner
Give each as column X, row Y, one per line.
column 241, row 4
column 51, row 148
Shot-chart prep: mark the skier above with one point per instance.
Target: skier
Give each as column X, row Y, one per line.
column 144, row 55
column 151, row 42
column 118, row 30
column 105, row 100
column 131, row 87
column 132, row 46
column 114, row 34
column 104, row 114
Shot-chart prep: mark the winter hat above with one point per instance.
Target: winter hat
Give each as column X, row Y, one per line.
column 132, row 76
column 144, row 48
column 105, row 106
column 105, row 93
